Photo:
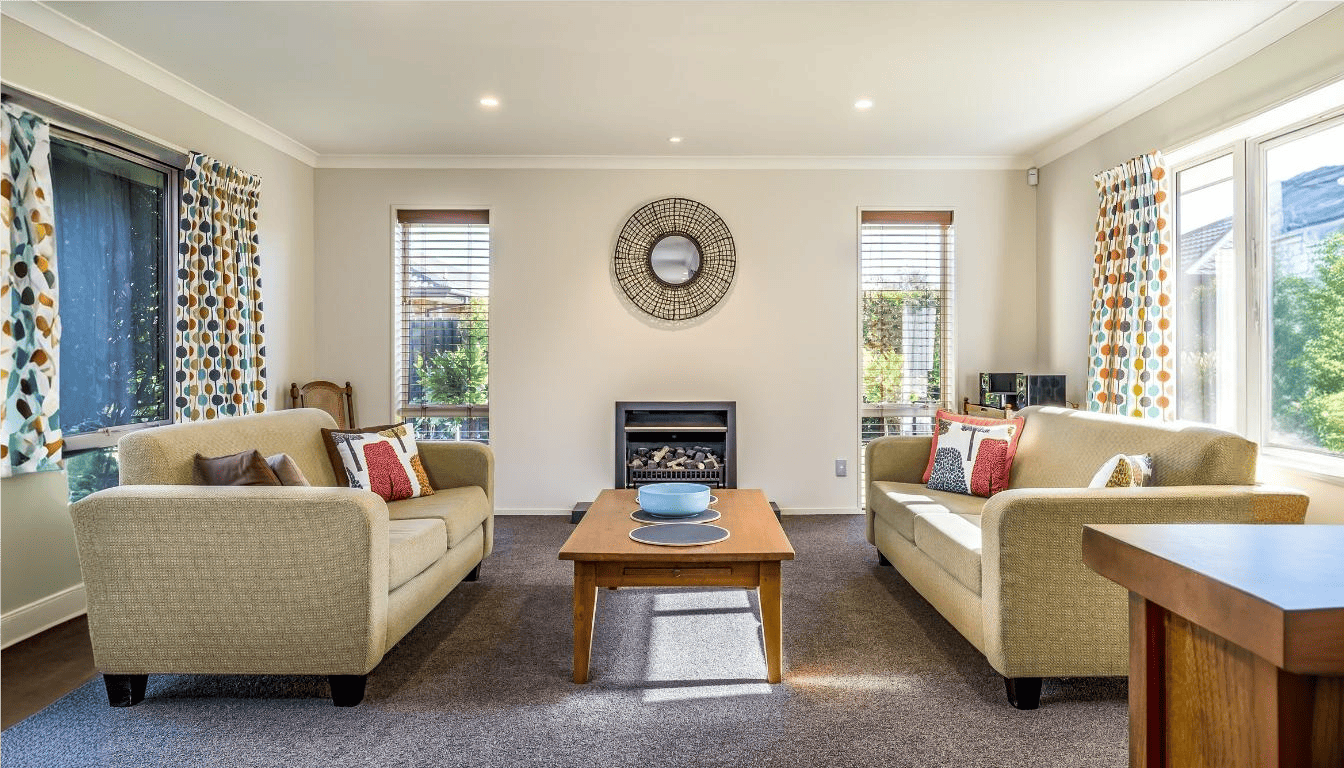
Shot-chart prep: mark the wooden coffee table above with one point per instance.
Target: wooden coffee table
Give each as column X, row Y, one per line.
column 604, row 555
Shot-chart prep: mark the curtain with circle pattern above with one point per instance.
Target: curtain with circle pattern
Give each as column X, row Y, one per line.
column 29, row 344
column 1131, row 364
column 219, row 348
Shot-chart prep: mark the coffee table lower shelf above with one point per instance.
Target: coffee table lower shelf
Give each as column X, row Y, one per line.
column 764, row 576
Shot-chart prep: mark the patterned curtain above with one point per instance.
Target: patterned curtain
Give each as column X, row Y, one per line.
column 1130, row 368
column 32, row 328
column 219, row 349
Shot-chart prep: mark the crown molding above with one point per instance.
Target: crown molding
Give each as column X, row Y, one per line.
column 1288, row 19
column 63, row 29
column 676, row 162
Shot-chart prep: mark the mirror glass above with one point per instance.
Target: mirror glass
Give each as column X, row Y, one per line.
column 675, row 259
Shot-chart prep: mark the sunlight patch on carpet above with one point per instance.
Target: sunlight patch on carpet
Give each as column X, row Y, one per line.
column 687, row 692
column 701, row 599
column 853, row 682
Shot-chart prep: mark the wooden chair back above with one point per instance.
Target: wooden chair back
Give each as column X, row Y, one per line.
column 337, row 400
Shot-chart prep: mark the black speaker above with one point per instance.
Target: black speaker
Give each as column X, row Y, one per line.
column 999, row 390
column 1001, row 383
column 1045, row 389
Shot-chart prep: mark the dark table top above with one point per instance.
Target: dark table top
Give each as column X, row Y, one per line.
column 1276, row 590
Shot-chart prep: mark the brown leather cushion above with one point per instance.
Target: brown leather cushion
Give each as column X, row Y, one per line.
column 333, row 454
column 245, row 468
column 286, row 471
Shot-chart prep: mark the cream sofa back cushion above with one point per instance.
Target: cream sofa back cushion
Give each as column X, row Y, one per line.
column 163, row 456
column 1063, row 448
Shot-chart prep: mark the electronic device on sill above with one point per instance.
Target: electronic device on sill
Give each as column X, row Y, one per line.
column 1008, row 392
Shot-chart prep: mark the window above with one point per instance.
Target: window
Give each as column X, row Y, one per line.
column 1260, row 284
column 905, row 274
column 115, row 202
column 443, row 323
column 1302, row 221
column 1207, row 320
column 113, row 236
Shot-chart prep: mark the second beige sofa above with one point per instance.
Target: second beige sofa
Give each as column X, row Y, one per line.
column 1007, row 571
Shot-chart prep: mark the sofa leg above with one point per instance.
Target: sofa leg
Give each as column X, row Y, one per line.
column 474, row 575
column 347, row 690
column 882, row 559
column 125, row 690
column 1023, row 692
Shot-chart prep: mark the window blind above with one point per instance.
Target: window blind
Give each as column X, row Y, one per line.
column 443, row 321
column 906, row 275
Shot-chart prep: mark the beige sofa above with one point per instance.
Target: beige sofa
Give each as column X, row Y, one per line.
column 184, row 578
column 1007, row 571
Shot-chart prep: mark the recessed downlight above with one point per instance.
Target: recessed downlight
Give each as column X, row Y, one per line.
column 674, row 139
column 862, row 104
column 489, row 102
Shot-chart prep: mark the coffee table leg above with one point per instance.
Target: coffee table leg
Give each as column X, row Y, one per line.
column 585, row 611
column 772, row 605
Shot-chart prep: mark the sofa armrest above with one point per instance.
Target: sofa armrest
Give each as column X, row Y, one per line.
column 454, row 464
column 898, row 458
column 244, row 580
column 1047, row 614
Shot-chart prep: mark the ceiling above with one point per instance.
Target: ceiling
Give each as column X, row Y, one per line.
column 1003, row 81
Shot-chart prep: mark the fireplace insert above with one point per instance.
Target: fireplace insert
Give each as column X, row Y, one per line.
column 692, row 442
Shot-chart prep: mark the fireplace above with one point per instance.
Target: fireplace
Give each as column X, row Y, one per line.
column 676, row 442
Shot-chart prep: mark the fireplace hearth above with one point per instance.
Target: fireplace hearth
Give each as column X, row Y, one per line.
column 676, row 442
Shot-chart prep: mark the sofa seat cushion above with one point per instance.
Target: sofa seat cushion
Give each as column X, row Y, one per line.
column 953, row 542
column 461, row 509
column 413, row 546
column 898, row 504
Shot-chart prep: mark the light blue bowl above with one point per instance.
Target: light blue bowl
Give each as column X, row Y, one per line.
column 674, row 499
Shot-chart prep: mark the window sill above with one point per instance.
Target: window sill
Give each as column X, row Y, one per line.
column 1326, row 469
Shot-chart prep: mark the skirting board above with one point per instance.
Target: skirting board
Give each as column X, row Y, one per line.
column 786, row 511
column 23, row 623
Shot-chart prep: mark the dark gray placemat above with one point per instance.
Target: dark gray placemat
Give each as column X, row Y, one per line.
column 679, row 534
column 708, row 516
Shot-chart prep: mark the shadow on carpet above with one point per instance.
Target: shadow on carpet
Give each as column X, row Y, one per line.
column 873, row 677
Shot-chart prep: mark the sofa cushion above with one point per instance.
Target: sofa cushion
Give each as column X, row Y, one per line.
column 413, row 546
column 329, row 442
column 243, row 468
column 461, row 509
column 286, row 471
column 971, row 454
column 953, row 542
column 1121, row 471
column 900, row 503
column 385, row 462
column 1062, row 448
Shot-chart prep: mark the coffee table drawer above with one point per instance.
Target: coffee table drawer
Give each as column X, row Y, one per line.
column 699, row 574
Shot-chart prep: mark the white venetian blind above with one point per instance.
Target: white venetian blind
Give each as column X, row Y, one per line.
column 443, row 322
column 906, row 281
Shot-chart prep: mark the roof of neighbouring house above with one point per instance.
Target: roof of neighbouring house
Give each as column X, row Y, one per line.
column 1312, row 198
column 1198, row 246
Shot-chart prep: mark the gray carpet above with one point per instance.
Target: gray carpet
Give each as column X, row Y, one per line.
column 873, row 677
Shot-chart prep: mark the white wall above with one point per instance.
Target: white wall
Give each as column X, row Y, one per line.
column 1067, row 200
column 565, row 346
column 38, row 556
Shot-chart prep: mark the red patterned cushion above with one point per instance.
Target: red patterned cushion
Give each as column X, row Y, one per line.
column 385, row 462
column 972, row 455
